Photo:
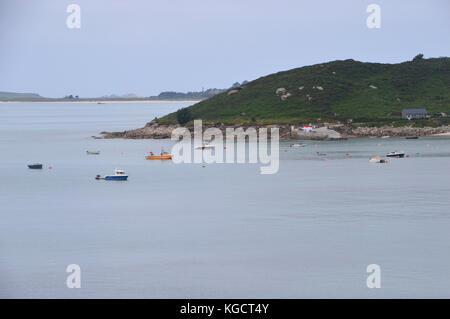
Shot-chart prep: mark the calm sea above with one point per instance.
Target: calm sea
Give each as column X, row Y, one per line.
column 224, row 230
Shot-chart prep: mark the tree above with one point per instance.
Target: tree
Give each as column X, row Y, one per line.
column 418, row 57
column 184, row 115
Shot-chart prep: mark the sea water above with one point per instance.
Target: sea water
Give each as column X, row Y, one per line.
column 219, row 231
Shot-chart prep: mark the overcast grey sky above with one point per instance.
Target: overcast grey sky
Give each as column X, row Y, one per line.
column 145, row 47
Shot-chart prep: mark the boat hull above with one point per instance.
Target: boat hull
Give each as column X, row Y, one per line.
column 159, row 157
column 35, row 166
column 396, row 155
column 115, row 178
column 377, row 160
column 209, row 147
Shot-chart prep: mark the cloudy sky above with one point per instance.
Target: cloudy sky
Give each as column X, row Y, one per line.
column 145, row 47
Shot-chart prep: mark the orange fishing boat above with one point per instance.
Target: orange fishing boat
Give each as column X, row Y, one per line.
column 159, row 157
column 163, row 156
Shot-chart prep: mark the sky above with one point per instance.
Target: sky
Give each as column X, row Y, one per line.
column 145, row 47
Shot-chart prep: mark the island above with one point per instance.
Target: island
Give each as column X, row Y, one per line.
column 346, row 97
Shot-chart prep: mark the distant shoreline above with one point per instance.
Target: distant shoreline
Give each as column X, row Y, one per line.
column 98, row 101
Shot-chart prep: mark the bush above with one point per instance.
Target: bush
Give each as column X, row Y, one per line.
column 184, row 115
column 418, row 57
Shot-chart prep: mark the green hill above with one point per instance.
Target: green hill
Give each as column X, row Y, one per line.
column 11, row 96
column 333, row 91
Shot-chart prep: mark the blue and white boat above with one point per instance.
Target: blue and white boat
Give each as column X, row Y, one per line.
column 119, row 175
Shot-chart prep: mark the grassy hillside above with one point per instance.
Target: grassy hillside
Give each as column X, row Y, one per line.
column 333, row 91
column 11, row 96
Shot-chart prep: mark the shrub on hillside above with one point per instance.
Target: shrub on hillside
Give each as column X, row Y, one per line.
column 184, row 115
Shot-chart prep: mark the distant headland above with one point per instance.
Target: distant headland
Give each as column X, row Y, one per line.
column 130, row 97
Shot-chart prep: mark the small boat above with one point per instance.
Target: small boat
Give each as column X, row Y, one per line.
column 93, row 153
column 119, row 175
column 412, row 137
column 321, row 154
column 205, row 146
column 396, row 154
column 377, row 159
column 35, row 166
column 159, row 157
column 163, row 156
column 298, row 145
column 386, row 136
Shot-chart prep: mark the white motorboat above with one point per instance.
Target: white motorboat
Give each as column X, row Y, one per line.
column 298, row 145
column 396, row 154
column 205, row 146
column 377, row 159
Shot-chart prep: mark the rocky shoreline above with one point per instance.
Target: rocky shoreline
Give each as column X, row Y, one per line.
column 162, row 131
column 336, row 132
column 361, row 131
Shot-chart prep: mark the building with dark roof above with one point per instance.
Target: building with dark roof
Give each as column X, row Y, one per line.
column 414, row 113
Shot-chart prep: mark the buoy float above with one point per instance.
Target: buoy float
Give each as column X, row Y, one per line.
column 50, row 167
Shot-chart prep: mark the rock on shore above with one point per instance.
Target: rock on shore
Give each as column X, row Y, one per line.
column 151, row 130
column 320, row 133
